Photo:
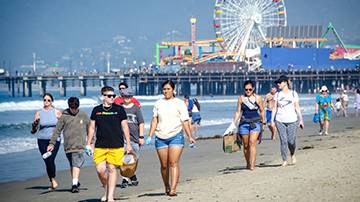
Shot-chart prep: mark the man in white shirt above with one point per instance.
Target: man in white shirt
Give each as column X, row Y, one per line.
column 344, row 102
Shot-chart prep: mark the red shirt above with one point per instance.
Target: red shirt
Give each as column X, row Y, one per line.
column 119, row 101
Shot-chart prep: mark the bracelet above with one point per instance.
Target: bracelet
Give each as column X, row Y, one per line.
column 141, row 137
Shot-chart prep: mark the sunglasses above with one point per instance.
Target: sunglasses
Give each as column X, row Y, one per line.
column 248, row 89
column 47, row 100
column 110, row 95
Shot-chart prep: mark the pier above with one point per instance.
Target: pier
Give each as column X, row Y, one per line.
column 187, row 82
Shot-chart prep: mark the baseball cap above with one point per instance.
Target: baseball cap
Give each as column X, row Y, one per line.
column 126, row 93
column 281, row 79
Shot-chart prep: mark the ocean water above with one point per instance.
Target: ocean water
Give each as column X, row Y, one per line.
column 18, row 147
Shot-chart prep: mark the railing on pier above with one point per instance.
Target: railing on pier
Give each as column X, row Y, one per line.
column 187, row 82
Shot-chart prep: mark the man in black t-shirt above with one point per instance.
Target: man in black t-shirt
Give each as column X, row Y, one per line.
column 110, row 122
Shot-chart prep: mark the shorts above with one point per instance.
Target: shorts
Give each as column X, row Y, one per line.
column 113, row 156
column 135, row 148
column 76, row 159
column 196, row 118
column 244, row 129
column 176, row 141
column 325, row 115
column 268, row 116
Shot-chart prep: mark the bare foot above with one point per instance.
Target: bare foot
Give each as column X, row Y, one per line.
column 103, row 199
column 54, row 183
column 172, row 193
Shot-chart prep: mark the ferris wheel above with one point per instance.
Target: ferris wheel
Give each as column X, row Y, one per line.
column 240, row 24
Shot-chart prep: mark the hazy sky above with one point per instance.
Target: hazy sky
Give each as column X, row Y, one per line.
column 130, row 28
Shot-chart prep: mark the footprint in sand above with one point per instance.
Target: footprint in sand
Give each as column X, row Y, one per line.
column 306, row 147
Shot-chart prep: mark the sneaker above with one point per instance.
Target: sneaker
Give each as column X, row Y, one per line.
column 326, row 133
column 293, row 159
column 320, row 132
column 284, row 164
column 74, row 189
column 124, row 184
column 134, row 180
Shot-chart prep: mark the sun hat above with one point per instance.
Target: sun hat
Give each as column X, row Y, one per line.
column 324, row 88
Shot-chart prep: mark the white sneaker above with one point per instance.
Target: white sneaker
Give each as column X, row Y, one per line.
column 293, row 159
column 321, row 132
column 284, row 164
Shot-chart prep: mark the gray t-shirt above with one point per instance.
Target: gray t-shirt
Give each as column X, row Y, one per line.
column 135, row 118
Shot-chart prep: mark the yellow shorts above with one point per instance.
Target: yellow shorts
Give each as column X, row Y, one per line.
column 110, row 155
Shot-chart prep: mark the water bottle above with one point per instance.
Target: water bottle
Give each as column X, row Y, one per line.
column 128, row 159
column 46, row 155
column 88, row 150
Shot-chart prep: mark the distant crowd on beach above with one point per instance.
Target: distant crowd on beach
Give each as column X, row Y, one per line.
column 114, row 131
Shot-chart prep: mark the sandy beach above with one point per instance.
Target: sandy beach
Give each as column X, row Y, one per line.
column 327, row 170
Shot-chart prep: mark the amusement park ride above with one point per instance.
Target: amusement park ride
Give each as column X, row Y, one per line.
column 242, row 28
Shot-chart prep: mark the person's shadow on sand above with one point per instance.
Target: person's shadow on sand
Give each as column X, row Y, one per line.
column 99, row 200
column 49, row 189
column 236, row 169
column 151, row 194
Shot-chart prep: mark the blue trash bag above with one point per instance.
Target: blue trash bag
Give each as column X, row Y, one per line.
column 316, row 118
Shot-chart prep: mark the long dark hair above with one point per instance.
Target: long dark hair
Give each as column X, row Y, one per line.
column 171, row 83
column 247, row 82
column 48, row 94
column 51, row 97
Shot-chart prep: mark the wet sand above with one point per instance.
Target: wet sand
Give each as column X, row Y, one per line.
column 327, row 169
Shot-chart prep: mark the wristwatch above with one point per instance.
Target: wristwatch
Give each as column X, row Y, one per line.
column 141, row 137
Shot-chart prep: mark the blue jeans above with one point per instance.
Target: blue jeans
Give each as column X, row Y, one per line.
column 50, row 161
column 177, row 140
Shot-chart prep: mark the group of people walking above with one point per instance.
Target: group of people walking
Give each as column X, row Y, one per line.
column 116, row 127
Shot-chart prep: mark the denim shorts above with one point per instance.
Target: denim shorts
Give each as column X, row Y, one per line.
column 176, row 141
column 196, row 118
column 268, row 116
column 244, row 129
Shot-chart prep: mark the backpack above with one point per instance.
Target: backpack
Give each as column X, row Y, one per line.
column 196, row 102
column 190, row 105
